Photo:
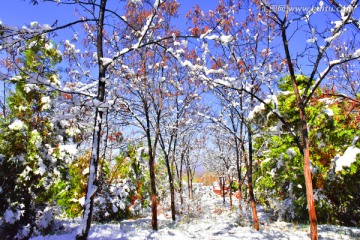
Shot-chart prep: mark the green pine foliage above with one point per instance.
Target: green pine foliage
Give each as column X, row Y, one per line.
column 123, row 189
column 70, row 192
column 30, row 158
column 125, row 186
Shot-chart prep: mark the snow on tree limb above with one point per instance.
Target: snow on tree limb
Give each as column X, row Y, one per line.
column 325, row 72
column 347, row 158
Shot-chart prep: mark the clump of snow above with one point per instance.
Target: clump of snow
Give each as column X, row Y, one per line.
column 49, row 45
column 45, row 101
column 29, row 87
column 291, row 152
column 45, row 218
column 106, row 61
column 41, row 168
column 333, row 37
column 328, row 101
column 257, row 109
column 70, row 149
column 24, row 232
column 223, row 39
column 72, row 131
column 71, row 47
column 328, row 112
column 17, row 125
column 136, row 2
column 55, row 78
column 35, row 138
column 86, row 171
column 280, row 164
column 11, row 216
column 356, row 54
column 311, row 40
column 347, row 159
column 34, row 24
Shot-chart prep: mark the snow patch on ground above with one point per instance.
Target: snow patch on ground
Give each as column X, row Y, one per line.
column 214, row 221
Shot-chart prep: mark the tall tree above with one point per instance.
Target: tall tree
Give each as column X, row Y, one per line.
column 84, row 228
column 315, row 57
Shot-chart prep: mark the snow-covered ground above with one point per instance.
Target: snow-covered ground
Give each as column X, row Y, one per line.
column 213, row 221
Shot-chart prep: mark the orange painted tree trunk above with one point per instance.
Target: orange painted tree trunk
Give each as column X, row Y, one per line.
column 305, row 150
column 308, row 181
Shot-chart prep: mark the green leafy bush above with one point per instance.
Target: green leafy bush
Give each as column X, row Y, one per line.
column 122, row 190
column 31, row 146
column 280, row 181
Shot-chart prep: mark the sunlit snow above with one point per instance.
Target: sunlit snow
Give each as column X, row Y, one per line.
column 211, row 220
column 347, row 159
column 17, row 125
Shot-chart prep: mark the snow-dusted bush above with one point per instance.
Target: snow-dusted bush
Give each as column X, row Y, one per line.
column 193, row 205
column 125, row 190
column 30, row 144
column 122, row 188
column 280, row 182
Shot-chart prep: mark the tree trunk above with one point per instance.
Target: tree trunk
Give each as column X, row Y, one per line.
column 179, row 173
column 305, row 150
column 239, row 155
column 189, row 189
column 222, row 181
column 250, row 184
column 4, row 99
column 154, row 223
column 308, row 178
column 151, row 152
column 85, row 225
column 172, row 190
column 230, row 195
column 188, row 182
column 172, row 195
column 180, row 191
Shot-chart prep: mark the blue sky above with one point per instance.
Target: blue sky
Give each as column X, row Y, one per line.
column 22, row 12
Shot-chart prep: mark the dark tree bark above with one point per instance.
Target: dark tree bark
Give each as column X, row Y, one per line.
column 230, row 194
column 250, row 182
column 171, row 148
column 171, row 185
column 250, row 163
column 172, row 188
column 152, row 152
column 84, row 229
column 179, row 172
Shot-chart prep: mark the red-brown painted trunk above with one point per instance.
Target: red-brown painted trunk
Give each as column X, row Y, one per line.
column 154, row 223
column 308, row 184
